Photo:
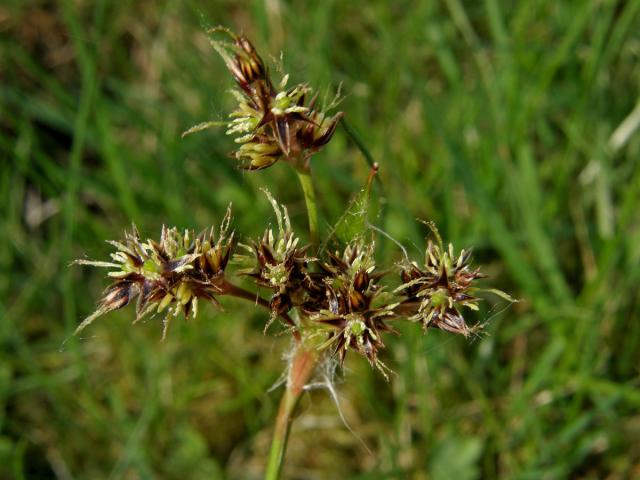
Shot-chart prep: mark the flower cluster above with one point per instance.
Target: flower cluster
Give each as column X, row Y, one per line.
column 330, row 298
column 440, row 289
column 336, row 295
column 279, row 264
column 171, row 275
column 354, row 307
column 272, row 123
column 339, row 293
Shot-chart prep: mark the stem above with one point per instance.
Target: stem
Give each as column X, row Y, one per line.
column 239, row 292
column 302, row 366
column 357, row 139
column 304, row 174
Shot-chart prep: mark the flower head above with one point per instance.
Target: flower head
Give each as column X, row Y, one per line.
column 170, row 275
column 352, row 309
column 278, row 263
column 272, row 123
column 440, row 288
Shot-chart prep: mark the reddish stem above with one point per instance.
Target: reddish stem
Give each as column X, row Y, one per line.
column 301, row 368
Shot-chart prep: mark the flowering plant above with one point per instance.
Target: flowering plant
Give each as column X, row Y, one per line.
column 328, row 295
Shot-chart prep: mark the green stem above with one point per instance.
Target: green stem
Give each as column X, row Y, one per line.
column 357, row 139
column 362, row 146
column 310, row 200
column 302, row 366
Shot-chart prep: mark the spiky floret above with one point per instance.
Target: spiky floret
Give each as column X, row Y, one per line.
column 440, row 288
column 170, row 275
column 242, row 60
column 354, row 308
column 278, row 263
column 271, row 123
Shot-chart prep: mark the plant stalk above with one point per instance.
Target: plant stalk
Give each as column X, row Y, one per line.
column 302, row 366
column 304, row 175
column 239, row 292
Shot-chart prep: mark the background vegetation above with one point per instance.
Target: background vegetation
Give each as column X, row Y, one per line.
column 510, row 124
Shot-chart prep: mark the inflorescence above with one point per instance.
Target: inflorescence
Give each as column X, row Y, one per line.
column 331, row 297
column 337, row 294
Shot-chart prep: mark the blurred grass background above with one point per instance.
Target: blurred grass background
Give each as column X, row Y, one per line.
column 513, row 125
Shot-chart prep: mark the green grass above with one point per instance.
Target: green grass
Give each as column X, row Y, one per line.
column 496, row 120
